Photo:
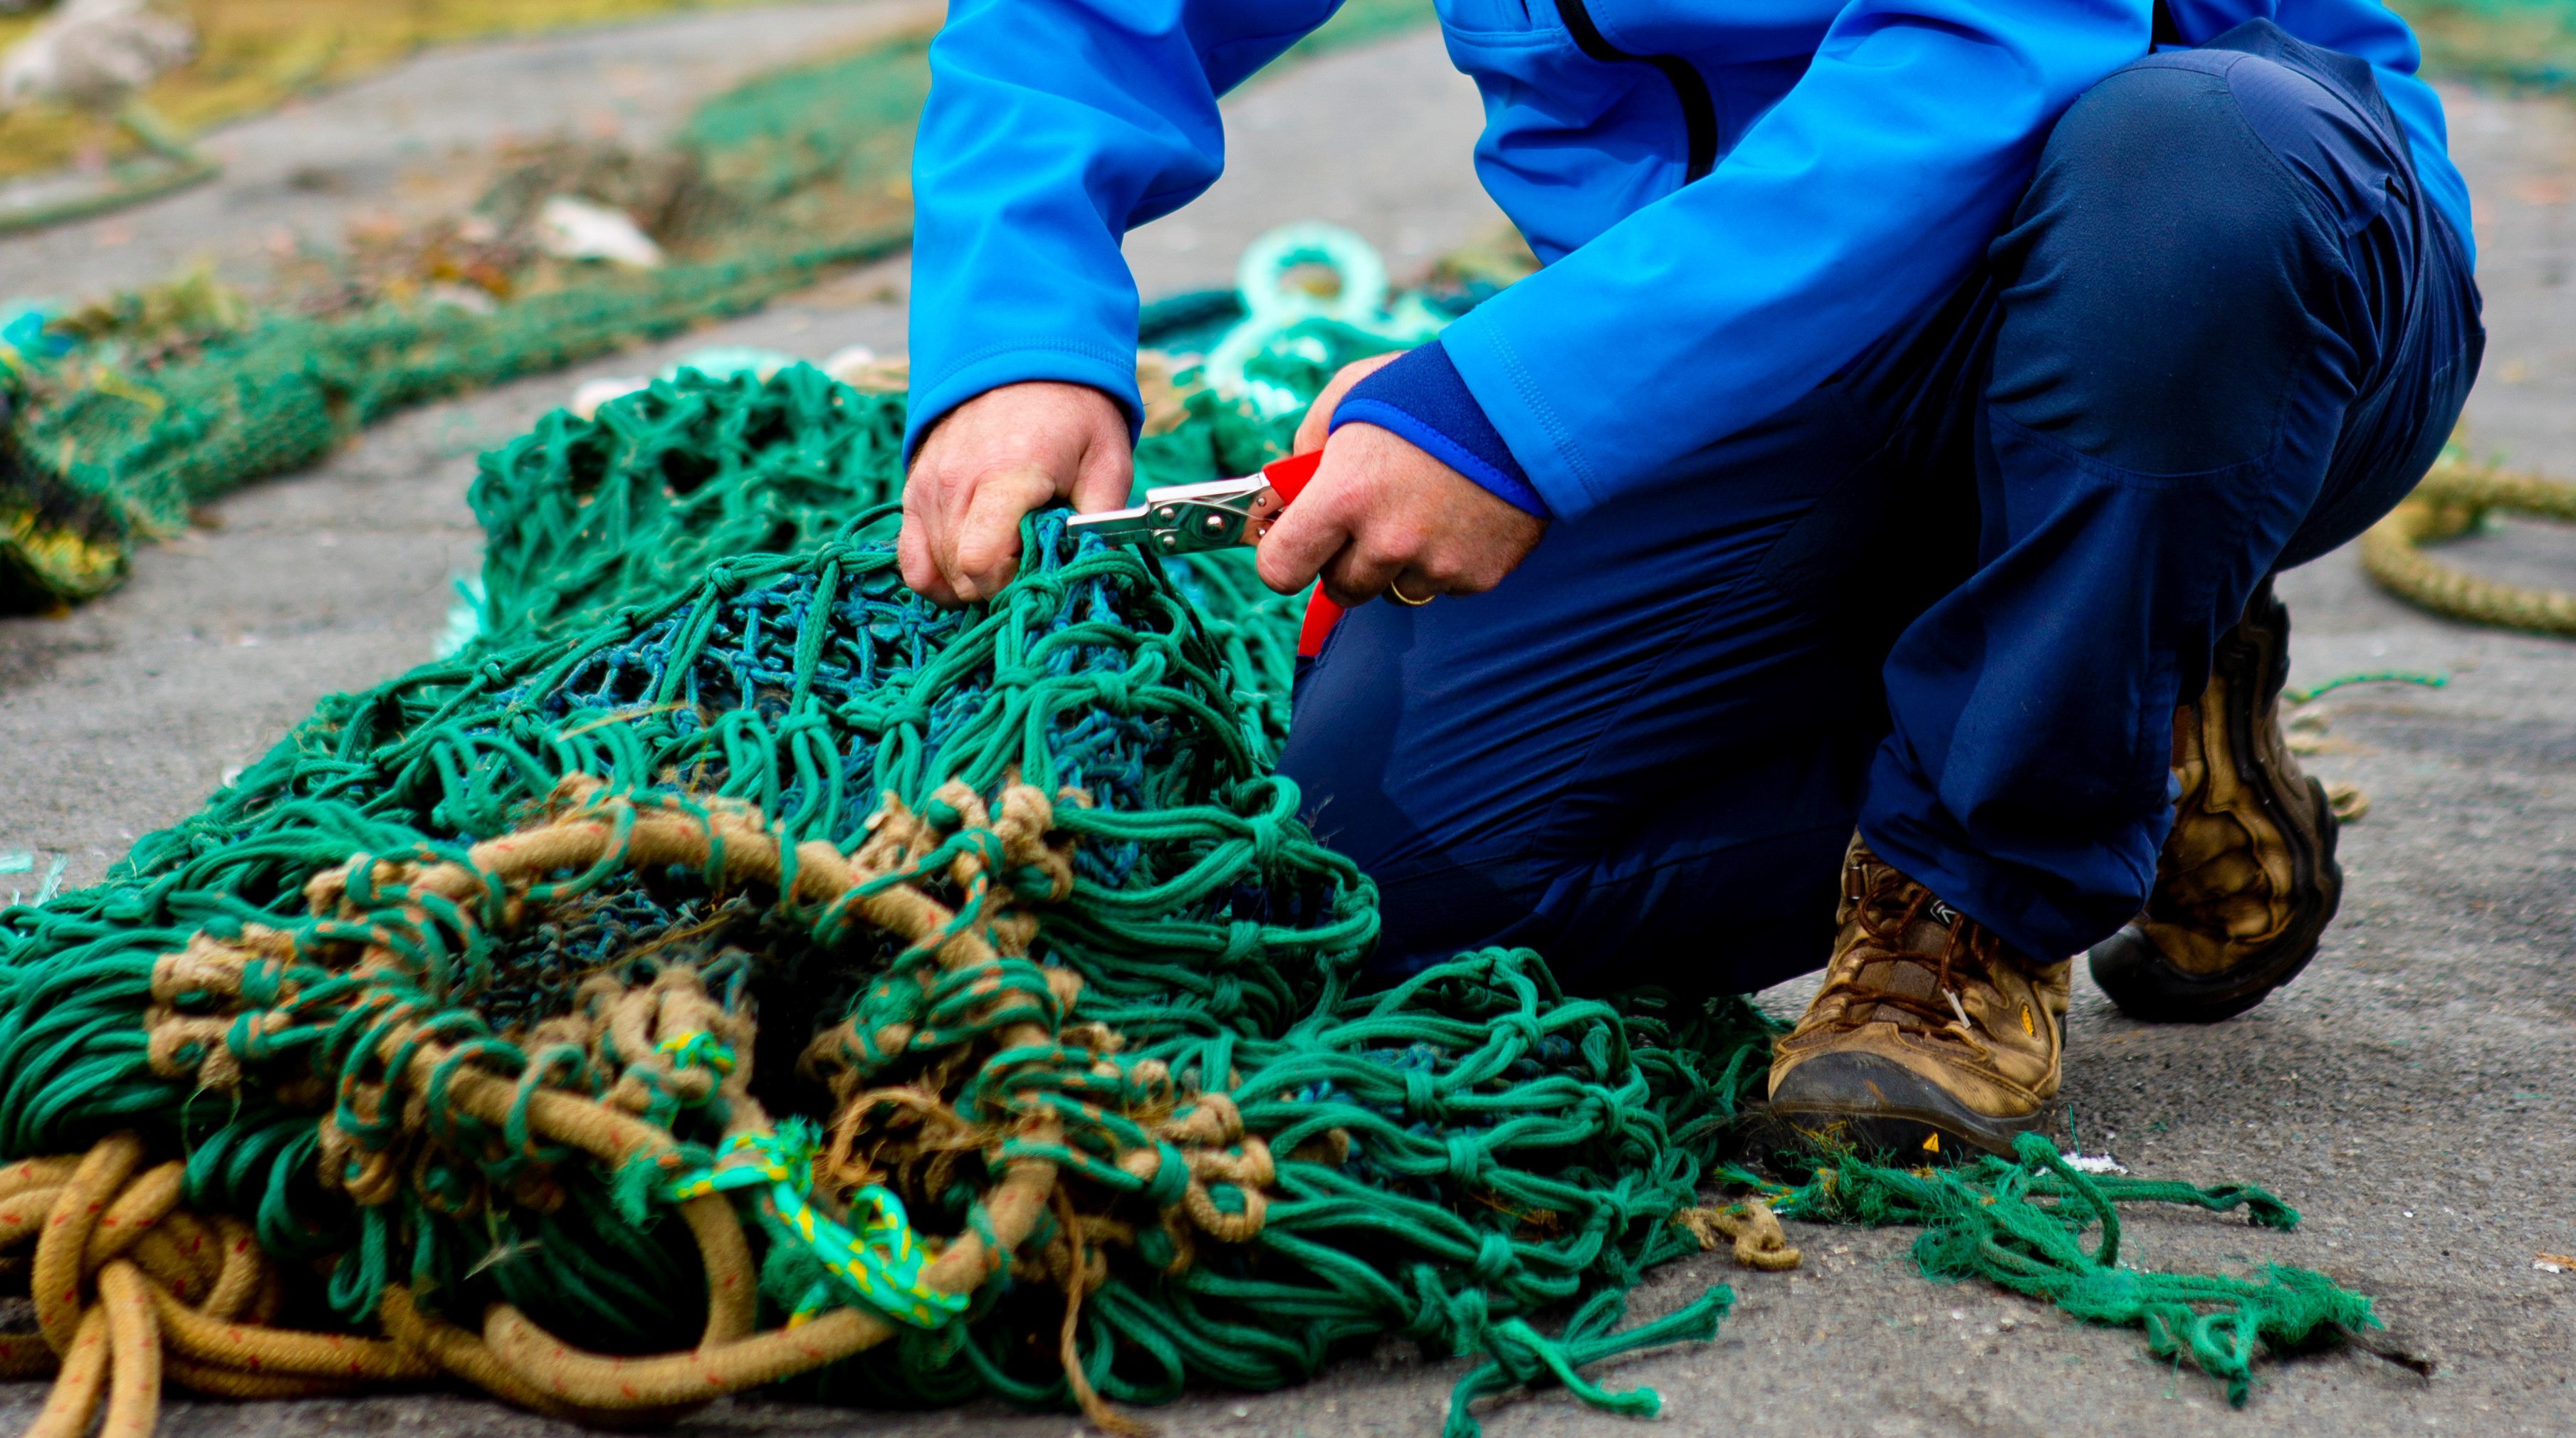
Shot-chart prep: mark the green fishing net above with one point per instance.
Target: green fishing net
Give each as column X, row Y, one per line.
column 691, row 599
column 689, row 604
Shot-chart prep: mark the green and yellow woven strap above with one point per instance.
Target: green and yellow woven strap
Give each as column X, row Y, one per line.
column 880, row 1265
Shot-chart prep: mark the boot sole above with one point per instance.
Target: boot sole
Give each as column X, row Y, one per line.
column 2132, row 970
column 1880, row 1110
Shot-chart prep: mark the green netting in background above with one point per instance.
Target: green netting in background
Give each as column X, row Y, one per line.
column 2515, row 42
column 777, row 181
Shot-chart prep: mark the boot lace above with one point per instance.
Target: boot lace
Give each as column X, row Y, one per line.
column 1875, row 891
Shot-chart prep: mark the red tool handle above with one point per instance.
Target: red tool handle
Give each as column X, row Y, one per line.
column 1288, row 478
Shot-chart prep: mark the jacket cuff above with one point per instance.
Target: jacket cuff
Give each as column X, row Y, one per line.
column 1421, row 400
column 1508, row 396
column 1071, row 362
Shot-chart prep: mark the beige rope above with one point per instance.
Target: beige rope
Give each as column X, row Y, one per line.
column 131, row 1289
column 175, row 1293
column 1753, row 1228
column 2451, row 501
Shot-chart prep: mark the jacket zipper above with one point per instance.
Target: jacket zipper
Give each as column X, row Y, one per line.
column 1699, row 112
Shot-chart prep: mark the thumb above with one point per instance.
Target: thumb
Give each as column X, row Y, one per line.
column 1108, row 472
column 988, row 539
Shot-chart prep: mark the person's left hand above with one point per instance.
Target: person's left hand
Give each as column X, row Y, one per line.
column 1380, row 512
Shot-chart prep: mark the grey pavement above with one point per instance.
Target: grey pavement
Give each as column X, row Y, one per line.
column 413, row 138
column 2414, row 1094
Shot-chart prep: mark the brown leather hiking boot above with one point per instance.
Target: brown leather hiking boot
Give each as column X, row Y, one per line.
column 2248, row 880
column 1929, row 1035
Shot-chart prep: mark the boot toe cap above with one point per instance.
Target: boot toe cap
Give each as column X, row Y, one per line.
column 1872, row 1104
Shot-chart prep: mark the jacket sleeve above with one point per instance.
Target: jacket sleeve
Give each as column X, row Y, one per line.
column 1053, row 127
column 1861, row 196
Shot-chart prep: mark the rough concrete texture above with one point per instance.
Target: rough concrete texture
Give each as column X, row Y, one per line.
column 2412, row 1094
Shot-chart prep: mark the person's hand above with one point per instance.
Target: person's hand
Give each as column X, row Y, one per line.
column 990, row 461
column 1319, row 415
column 1380, row 512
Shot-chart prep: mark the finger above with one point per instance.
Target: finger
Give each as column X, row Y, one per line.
column 1441, row 564
column 1359, row 574
column 987, row 538
column 921, row 548
column 1317, row 426
column 1412, row 583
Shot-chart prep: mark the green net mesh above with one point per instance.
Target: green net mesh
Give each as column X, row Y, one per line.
column 691, row 603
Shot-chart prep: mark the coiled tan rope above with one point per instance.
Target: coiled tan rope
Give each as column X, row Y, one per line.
column 131, row 1289
column 2451, row 501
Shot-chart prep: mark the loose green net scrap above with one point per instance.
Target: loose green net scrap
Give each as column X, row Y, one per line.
column 692, row 608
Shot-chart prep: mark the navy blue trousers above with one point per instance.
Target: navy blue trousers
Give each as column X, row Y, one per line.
column 1953, row 595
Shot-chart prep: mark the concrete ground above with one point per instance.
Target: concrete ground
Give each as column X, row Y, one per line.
column 2411, row 1095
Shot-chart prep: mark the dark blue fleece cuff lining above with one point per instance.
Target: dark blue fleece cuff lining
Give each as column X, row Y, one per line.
column 1441, row 447
column 1421, row 399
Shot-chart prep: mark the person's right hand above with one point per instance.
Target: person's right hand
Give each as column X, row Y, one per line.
column 990, row 461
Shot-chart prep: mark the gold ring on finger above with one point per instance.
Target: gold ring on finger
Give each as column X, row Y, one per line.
column 1396, row 592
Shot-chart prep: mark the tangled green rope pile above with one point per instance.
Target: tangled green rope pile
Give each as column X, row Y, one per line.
column 366, row 1040
column 1476, row 1147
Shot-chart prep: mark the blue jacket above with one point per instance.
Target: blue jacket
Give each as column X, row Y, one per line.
column 1732, row 199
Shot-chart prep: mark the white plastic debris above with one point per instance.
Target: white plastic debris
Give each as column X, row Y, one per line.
column 596, row 392
column 94, row 54
column 570, row 228
column 726, row 361
column 464, row 618
column 458, row 297
column 2095, row 1163
column 860, row 369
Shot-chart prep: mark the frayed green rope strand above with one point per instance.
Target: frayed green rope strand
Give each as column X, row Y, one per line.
column 2023, row 1223
column 2344, row 681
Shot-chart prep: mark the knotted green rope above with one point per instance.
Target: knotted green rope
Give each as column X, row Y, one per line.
column 693, row 598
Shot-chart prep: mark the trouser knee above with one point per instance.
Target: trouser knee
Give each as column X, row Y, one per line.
column 2162, row 277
